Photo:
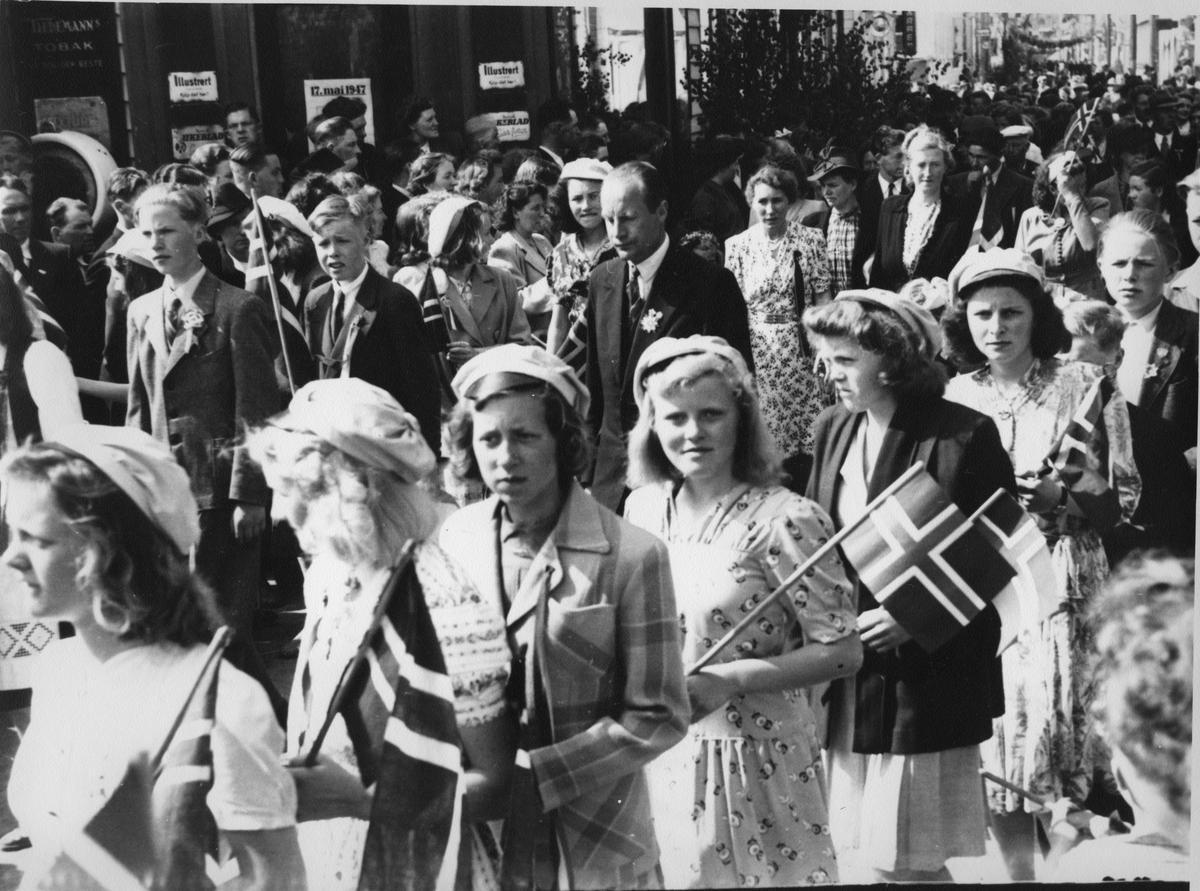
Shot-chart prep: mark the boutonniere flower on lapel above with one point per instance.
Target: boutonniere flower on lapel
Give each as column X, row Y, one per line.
column 192, row 319
column 650, row 320
column 1158, row 364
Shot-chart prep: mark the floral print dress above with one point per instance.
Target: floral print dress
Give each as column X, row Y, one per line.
column 1046, row 742
column 751, row 771
column 791, row 394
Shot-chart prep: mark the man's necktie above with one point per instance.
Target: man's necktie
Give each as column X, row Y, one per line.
column 636, row 300
column 339, row 312
column 171, row 325
column 977, row 229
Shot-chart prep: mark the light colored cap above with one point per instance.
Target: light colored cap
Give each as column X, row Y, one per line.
column 515, row 366
column 285, row 212
column 667, row 349
column 362, row 420
column 585, row 168
column 142, row 468
column 977, row 266
column 1016, row 130
column 133, row 245
column 444, row 219
column 917, row 318
column 932, row 294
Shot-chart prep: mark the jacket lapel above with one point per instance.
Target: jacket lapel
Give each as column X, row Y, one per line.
column 205, row 298
column 461, row 311
column 657, row 313
column 1164, row 354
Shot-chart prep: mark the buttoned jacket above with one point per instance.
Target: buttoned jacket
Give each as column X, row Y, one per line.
column 199, row 394
column 611, row 658
column 1170, row 387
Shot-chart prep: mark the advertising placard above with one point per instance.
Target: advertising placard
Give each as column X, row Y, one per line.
column 501, row 75
column 192, row 86
column 512, row 126
column 318, row 92
column 185, row 140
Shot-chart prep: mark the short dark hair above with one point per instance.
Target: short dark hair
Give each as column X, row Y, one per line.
column 774, row 178
column 125, row 183
column 331, row 129
column 184, row 174
column 885, row 139
column 305, row 194
column 57, row 211
column 207, row 157
column 252, row 156
column 414, row 109
column 138, row 578
column 240, row 106
column 397, row 156
column 907, row 369
column 1049, row 336
column 572, row 443
column 649, row 180
column 348, row 107
column 515, row 198
column 1126, row 137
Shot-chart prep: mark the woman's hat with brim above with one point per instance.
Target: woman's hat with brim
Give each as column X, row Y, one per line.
column 444, row 220
column 585, row 168
column 978, row 266
column 362, row 420
column 835, row 160
column 231, row 204
column 133, row 245
column 284, row 212
column 667, row 349
column 513, row 367
column 916, row 318
column 142, row 468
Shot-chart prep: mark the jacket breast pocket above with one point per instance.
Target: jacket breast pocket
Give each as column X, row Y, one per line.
column 582, row 643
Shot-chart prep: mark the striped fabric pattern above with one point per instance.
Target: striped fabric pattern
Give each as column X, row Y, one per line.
column 1086, row 435
column 258, row 282
column 436, row 325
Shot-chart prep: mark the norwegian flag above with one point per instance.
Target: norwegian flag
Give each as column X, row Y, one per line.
column 1086, row 435
column 398, row 705
column 1032, row 595
column 436, row 325
column 299, row 367
column 925, row 562
column 115, row 851
column 186, row 834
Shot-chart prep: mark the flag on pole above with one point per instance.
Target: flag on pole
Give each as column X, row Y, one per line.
column 115, row 851
column 1032, row 595
column 186, row 833
column 436, row 325
column 1087, row 435
column 925, row 562
column 262, row 281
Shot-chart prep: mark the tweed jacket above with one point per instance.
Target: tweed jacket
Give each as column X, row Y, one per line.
column 200, row 394
column 689, row 296
column 947, row 243
column 910, row 701
column 495, row 315
column 1171, row 390
column 1007, row 200
column 616, row 693
column 388, row 349
column 524, row 265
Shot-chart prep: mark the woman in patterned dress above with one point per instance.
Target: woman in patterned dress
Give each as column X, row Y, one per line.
column 765, row 260
column 1001, row 315
column 583, row 247
column 344, row 462
column 709, row 488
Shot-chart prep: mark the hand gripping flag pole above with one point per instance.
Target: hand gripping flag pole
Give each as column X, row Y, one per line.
column 808, row 564
column 260, row 228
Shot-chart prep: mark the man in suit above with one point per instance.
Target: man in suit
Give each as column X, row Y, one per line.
column 849, row 237
column 255, row 169
column 996, row 196
column 200, row 361
column 336, row 135
column 887, row 145
column 558, row 131
column 1160, row 368
column 652, row 289
column 362, row 325
column 1176, row 150
column 49, row 269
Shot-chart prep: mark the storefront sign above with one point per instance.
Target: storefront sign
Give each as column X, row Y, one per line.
column 512, row 126
column 83, row 114
column 192, row 86
column 186, row 140
column 501, row 75
column 318, row 92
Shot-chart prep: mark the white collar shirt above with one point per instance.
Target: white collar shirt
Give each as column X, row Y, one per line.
column 1137, row 343
column 648, row 268
column 350, row 289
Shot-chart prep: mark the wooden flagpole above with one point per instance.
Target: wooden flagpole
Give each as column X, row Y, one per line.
column 274, row 286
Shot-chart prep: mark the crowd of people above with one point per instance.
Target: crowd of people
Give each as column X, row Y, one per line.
column 595, row 400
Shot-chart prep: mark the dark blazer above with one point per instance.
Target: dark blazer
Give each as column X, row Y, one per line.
column 390, row 351
column 864, row 242
column 947, row 243
column 1172, row 392
column 200, row 394
column 1007, row 200
column 54, row 276
column 870, row 199
column 690, row 296
column 910, row 701
column 1180, row 157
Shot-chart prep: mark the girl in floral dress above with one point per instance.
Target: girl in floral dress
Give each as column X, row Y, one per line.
column 752, row 761
column 764, row 259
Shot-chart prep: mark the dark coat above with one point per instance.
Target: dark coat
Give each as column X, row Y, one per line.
column 691, row 296
column 910, row 701
column 200, row 394
column 1007, row 200
column 870, row 200
column 1172, row 393
column 1180, row 157
column 947, row 243
column 391, row 351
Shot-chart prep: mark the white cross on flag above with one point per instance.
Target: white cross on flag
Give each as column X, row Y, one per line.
column 925, row 562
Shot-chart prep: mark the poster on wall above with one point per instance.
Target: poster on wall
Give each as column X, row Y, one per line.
column 83, row 114
column 318, row 92
column 185, row 140
column 192, row 86
column 501, row 75
column 512, row 126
